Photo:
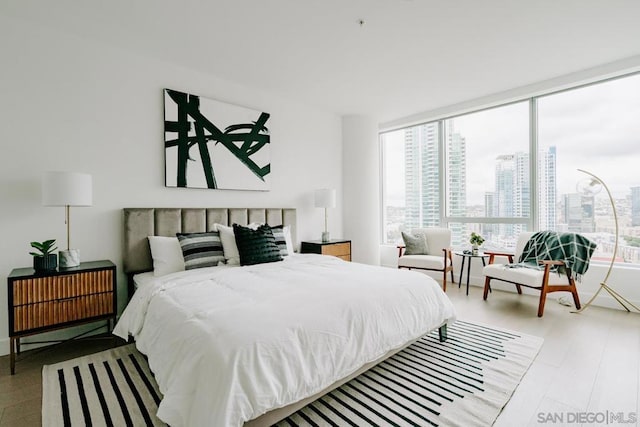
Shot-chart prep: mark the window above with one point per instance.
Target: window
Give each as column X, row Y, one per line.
column 594, row 128
column 498, row 172
column 487, row 170
column 411, row 180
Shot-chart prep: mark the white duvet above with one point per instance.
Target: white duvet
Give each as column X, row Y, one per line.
column 229, row 344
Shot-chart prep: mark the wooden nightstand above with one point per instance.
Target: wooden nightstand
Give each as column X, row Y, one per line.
column 59, row 299
column 339, row 248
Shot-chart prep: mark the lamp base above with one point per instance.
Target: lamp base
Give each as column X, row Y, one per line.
column 69, row 258
column 326, row 236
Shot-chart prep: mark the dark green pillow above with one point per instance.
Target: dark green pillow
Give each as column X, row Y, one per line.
column 415, row 244
column 256, row 246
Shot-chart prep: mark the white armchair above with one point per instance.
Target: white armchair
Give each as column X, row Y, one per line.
column 544, row 280
column 438, row 257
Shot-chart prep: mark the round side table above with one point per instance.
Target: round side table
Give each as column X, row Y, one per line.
column 468, row 257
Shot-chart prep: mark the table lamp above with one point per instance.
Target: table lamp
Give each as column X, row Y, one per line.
column 67, row 189
column 325, row 198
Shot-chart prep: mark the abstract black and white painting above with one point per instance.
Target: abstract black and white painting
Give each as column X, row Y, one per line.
column 212, row 144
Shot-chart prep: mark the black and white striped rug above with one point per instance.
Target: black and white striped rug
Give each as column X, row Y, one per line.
column 465, row 381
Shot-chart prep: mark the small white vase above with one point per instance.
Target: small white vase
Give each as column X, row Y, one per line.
column 69, row 258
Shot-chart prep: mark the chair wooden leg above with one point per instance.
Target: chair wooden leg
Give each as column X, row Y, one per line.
column 444, row 281
column 519, row 288
column 487, row 286
column 452, row 281
column 574, row 292
column 543, row 299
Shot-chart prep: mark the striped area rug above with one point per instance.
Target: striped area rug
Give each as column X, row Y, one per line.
column 465, row 381
column 111, row 388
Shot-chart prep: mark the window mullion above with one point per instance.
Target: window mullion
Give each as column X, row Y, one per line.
column 533, row 165
column 442, row 156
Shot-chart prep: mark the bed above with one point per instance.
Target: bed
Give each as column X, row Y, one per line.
column 251, row 345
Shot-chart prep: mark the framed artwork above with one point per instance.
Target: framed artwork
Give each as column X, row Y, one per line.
column 212, row 144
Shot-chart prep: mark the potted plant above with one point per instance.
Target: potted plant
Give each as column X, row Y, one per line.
column 44, row 260
column 475, row 240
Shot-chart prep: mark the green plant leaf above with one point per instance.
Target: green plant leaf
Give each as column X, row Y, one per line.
column 46, row 247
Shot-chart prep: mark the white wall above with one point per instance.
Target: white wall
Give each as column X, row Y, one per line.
column 72, row 104
column 361, row 176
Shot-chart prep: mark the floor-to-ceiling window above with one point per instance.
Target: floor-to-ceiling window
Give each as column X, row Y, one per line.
column 487, row 174
column 595, row 128
column 411, row 179
column 511, row 168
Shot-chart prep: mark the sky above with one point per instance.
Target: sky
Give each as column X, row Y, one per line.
column 595, row 128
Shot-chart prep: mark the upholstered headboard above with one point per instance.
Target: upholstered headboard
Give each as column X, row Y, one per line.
column 139, row 223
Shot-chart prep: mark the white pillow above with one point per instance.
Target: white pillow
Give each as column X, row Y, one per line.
column 229, row 246
column 167, row 255
column 287, row 238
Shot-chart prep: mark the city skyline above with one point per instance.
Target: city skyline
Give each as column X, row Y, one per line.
column 594, row 128
column 510, row 196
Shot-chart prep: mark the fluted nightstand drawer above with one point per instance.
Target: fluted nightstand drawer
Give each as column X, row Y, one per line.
column 61, row 311
column 52, row 288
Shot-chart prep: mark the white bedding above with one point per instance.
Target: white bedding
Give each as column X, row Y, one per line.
column 229, row 344
column 142, row 279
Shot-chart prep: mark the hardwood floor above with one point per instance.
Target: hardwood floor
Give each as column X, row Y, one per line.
column 590, row 362
column 21, row 394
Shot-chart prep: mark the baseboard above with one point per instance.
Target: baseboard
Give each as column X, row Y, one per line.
column 603, row 300
column 606, row 301
column 4, row 346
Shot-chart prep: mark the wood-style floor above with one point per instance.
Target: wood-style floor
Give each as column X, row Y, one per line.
column 21, row 394
column 589, row 362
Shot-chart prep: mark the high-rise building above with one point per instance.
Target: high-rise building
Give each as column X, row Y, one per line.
column 547, row 217
column 512, row 196
column 422, row 204
column 635, row 206
column 456, row 183
column 489, row 231
column 578, row 213
column 422, row 186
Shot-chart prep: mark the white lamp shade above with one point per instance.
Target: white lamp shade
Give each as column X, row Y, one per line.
column 67, row 189
column 325, row 198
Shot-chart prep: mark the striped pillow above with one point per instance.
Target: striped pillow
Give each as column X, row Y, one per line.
column 256, row 246
column 281, row 241
column 201, row 249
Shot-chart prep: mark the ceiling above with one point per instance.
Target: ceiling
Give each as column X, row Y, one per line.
column 409, row 56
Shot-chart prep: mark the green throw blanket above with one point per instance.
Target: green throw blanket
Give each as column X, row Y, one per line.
column 571, row 248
